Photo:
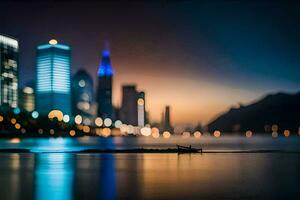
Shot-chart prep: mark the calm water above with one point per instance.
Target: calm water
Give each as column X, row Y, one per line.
column 63, row 176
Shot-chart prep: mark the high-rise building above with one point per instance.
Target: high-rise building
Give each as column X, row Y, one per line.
column 133, row 110
column 82, row 93
column 27, row 99
column 104, row 91
column 53, row 74
column 141, row 109
column 167, row 122
column 9, row 51
column 129, row 108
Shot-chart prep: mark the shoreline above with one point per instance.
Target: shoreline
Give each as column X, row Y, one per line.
column 142, row 150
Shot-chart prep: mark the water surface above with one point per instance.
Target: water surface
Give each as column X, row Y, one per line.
column 63, row 176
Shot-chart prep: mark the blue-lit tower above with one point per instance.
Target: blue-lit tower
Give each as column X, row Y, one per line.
column 53, row 74
column 104, row 91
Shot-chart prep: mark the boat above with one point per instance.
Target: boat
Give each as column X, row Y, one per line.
column 188, row 149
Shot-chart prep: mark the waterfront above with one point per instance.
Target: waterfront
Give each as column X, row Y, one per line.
column 64, row 175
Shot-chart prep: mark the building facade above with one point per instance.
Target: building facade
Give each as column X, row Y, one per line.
column 9, row 72
column 27, row 99
column 104, row 89
column 141, row 109
column 53, row 74
column 133, row 110
column 82, row 93
column 167, row 126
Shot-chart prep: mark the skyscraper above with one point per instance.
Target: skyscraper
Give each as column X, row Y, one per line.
column 82, row 93
column 133, row 110
column 129, row 108
column 53, row 73
column 167, row 122
column 104, row 91
column 27, row 100
column 141, row 109
column 9, row 52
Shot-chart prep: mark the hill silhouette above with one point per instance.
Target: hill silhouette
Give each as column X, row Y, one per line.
column 281, row 109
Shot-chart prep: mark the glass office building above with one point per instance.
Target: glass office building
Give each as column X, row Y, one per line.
column 104, row 90
column 53, row 74
column 9, row 52
column 82, row 93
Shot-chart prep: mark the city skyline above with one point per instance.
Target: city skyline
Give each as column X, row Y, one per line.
column 210, row 76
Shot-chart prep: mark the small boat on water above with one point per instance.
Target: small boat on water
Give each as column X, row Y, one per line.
column 188, row 149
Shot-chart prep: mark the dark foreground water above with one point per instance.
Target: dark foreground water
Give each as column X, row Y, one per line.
column 62, row 176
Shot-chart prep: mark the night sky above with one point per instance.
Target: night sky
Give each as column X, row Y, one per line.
column 200, row 58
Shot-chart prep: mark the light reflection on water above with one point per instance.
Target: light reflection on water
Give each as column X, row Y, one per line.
column 224, row 143
column 54, row 176
column 149, row 176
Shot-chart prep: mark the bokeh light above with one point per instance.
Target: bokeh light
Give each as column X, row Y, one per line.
column 17, row 126
column 86, row 129
column 186, row 134
column 35, row 114
column 146, row 131
column 98, row 121
column 286, row 133
column 106, row 132
column 118, row 123
column 13, row 121
column 249, row 134
column 217, row 133
column 56, row 114
column 166, row 134
column 107, row 122
column 51, row 131
column 197, row 134
column 78, row 119
column 72, row 133
column 66, row 118
column 274, row 134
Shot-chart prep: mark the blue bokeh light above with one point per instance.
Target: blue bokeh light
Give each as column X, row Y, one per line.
column 35, row 114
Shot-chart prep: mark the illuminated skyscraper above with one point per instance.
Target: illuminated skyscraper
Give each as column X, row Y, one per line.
column 82, row 93
column 9, row 52
column 104, row 91
column 53, row 73
column 141, row 109
column 27, row 100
